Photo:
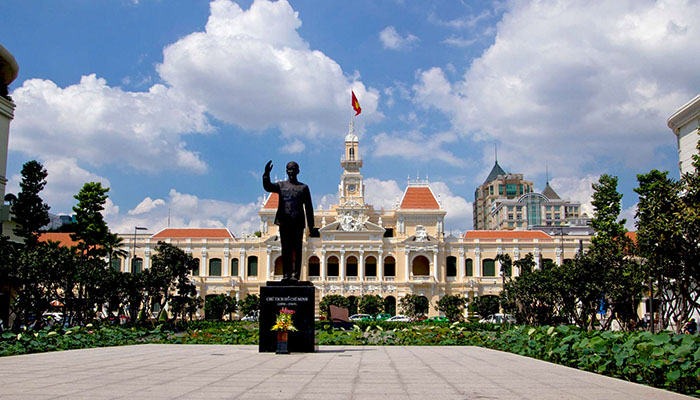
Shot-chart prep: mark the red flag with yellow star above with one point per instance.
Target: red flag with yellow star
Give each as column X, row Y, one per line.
column 355, row 104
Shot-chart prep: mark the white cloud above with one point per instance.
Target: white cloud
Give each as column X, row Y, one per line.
column 99, row 124
column 575, row 82
column 382, row 194
column 391, row 39
column 457, row 41
column 295, row 146
column 146, row 205
column 416, row 146
column 251, row 68
column 64, row 180
column 576, row 189
column 185, row 210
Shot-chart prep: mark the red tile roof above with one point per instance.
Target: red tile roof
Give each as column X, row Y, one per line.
column 632, row 236
column 272, row 201
column 62, row 238
column 419, row 198
column 193, row 233
column 506, row 235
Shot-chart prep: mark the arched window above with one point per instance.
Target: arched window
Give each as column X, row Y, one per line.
column 390, row 268
column 421, row 266
column 370, row 266
column 195, row 270
column 469, row 264
column 314, row 266
column 234, row 267
column 253, row 266
column 333, row 269
column 352, row 154
column 351, row 266
column 451, row 266
column 215, row 267
column 117, row 264
column 137, row 265
column 489, row 267
column 278, row 270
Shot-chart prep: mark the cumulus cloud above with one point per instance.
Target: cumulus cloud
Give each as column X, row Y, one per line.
column 382, row 194
column 99, row 124
column 416, row 145
column 576, row 189
column 184, row 210
column 575, row 81
column 251, row 68
column 391, row 39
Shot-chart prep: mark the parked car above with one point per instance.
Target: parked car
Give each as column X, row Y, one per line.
column 399, row 318
column 437, row 319
column 360, row 317
column 498, row 319
column 382, row 317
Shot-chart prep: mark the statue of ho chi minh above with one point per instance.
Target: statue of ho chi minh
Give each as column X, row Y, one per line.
column 294, row 199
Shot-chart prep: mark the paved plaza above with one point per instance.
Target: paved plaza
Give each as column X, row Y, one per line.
column 335, row 372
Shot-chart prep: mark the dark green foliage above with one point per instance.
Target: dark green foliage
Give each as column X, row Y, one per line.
column 216, row 306
column 168, row 279
column 485, row 305
column 668, row 235
column 30, row 211
column 452, row 306
column 250, row 305
column 371, row 304
column 414, row 306
column 335, row 300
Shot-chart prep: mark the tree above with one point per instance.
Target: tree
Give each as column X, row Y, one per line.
column 250, row 306
column 452, row 306
column 371, row 304
column 414, row 306
column 216, row 306
column 335, row 300
column 668, row 236
column 169, row 277
column 611, row 255
column 485, row 305
column 30, row 211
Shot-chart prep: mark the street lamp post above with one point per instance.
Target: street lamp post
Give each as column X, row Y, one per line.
column 133, row 257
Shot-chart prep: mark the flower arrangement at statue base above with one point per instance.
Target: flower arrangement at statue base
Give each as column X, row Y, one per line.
column 283, row 324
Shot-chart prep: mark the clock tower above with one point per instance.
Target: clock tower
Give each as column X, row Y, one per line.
column 352, row 189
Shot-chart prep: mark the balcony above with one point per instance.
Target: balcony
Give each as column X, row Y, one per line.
column 315, row 278
column 371, row 278
column 389, row 279
column 422, row 278
column 333, row 278
column 352, row 278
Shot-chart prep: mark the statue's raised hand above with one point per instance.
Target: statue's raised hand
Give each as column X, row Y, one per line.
column 268, row 167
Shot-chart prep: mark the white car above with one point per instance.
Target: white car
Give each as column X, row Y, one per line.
column 498, row 319
column 399, row 318
column 359, row 317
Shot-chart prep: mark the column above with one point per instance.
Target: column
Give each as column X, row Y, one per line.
column 127, row 263
column 204, row 265
column 497, row 264
column 380, row 266
column 242, row 266
column 434, row 270
column 323, row 265
column 408, row 267
column 226, row 270
column 361, row 266
column 462, row 272
column 269, row 272
column 477, row 263
column 147, row 259
column 560, row 257
column 516, row 257
column 342, row 265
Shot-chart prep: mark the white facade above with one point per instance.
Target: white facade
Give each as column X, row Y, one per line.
column 685, row 124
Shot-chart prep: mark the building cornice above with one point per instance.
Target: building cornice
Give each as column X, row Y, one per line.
column 684, row 114
column 7, row 108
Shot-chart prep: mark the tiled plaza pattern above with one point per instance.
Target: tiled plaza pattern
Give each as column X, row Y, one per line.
column 240, row 372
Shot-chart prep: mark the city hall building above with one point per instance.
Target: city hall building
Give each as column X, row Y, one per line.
column 358, row 249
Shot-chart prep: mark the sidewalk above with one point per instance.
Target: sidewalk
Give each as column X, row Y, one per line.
column 335, row 372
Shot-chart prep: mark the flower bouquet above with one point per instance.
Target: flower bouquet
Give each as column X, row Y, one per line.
column 283, row 324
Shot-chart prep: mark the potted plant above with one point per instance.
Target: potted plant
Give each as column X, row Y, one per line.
column 283, row 324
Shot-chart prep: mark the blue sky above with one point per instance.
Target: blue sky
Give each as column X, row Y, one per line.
column 177, row 106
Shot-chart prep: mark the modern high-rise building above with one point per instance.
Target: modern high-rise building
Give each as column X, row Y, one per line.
column 507, row 201
column 499, row 185
column 685, row 124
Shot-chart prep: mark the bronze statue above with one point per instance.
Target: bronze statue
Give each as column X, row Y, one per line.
column 294, row 197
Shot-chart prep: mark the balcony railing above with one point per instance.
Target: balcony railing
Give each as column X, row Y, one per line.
column 351, row 278
column 314, row 278
column 389, row 278
column 371, row 278
column 333, row 278
column 421, row 278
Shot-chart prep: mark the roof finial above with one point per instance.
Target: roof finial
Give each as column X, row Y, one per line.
column 546, row 173
column 495, row 151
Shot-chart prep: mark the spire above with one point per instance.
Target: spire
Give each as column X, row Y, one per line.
column 495, row 171
column 351, row 137
column 550, row 193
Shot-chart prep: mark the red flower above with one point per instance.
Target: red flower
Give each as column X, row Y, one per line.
column 285, row 310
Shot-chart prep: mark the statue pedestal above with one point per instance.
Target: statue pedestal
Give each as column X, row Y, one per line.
column 301, row 298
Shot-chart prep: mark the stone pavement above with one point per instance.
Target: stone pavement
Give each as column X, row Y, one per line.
column 156, row 371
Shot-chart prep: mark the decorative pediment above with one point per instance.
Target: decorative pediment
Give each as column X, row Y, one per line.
column 273, row 240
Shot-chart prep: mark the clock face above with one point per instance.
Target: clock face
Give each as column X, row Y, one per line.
column 351, row 188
